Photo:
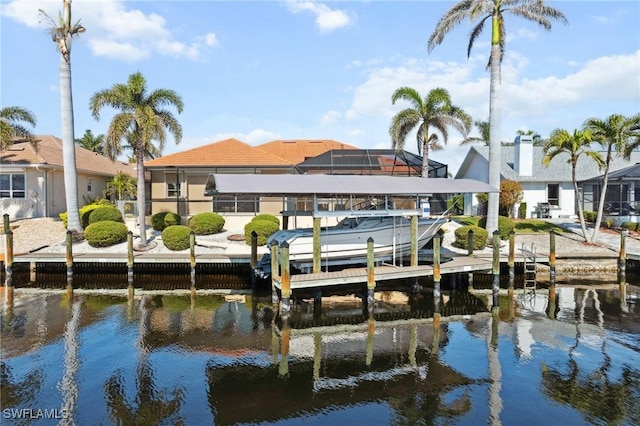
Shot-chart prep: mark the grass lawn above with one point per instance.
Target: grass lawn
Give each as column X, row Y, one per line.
column 522, row 226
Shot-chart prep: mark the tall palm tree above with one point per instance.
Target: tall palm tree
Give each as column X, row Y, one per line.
column 11, row 127
column 494, row 12
column 435, row 110
column 483, row 127
column 91, row 142
column 141, row 120
column 62, row 32
column 618, row 135
column 575, row 145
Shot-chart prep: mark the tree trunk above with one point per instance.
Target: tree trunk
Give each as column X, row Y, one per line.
column 494, row 139
column 141, row 197
column 578, row 203
column 603, row 194
column 68, row 146
column 425, row 159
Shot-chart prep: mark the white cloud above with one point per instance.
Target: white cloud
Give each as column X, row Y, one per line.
column 111, row 24
column 330, row 117
column 327, row 19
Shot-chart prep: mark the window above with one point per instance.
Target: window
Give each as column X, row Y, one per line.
column 173, row 185
column 90, row 185
column 232, row 204
column 553, row 194
column 12, row 185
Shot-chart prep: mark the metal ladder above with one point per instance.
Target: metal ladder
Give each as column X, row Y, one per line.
column 529, row 257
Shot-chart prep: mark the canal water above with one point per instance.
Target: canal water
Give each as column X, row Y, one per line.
column 224, row 358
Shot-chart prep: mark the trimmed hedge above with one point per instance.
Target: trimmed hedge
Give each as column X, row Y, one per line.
column 176, row 237
column 480, row 236
column 84, row 212
column 162, row 220
column 505, row 226
column 103, row 213
column 266, row 216
column 105, row 233
column 264, row 228
column 206, row 223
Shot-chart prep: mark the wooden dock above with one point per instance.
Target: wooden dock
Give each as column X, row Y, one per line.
column 387, row 272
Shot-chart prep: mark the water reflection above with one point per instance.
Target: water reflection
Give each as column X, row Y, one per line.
column 196, row 358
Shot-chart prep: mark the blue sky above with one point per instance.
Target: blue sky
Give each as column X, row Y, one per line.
column 266, row 70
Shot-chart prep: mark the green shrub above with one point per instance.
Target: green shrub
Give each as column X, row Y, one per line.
column 629, row 226
column 103, row 213
column 608, row 222
column 590, row 216
column 266, row 216
column 479, row 237
column 105, row 233
column 522, row 210
column 162, row 220
column 264, row 228
column 505, row 226
column 84, row 212
column 206, row 223
column 176, row 237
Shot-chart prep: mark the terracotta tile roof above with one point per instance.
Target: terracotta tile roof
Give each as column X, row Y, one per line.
column 50, row 153
column 228, row 152
column 298, row 150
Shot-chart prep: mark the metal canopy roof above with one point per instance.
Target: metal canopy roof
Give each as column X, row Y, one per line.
column 287, row 184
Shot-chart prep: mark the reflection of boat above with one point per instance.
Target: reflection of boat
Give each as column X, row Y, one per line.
column 346, row 242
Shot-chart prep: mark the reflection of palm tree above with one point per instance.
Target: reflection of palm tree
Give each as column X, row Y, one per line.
column 150, row 405
column 594, row 395
column 68, row 385
column 18, row 393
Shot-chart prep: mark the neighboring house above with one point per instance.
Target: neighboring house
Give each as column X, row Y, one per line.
column 32, row 181
column 522, row 162
column 178, row 180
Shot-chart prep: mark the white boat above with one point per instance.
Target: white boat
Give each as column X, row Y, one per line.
column 346, row 242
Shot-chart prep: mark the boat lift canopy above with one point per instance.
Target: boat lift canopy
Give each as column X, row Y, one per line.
column 319, row 185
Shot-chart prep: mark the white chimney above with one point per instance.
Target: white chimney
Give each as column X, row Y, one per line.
column 523, row 161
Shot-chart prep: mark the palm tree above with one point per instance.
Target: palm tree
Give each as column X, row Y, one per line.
column 91, row 142
column 434, row 110
column 618, row 135
column 10, row 127
column 575, row 145
column 483, row 127
column 122, row 185
column 62, row 32
column 141, row 120
column 494, row 12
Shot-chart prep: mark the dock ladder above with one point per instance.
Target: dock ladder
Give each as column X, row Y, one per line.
column 529, row 258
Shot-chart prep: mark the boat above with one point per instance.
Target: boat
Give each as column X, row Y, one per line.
column 346, row 242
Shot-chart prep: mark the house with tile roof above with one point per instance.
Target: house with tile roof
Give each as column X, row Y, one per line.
column 177, row 181
column 552, row 185
column 32, row 180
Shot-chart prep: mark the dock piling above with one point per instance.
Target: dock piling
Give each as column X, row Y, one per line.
column 8, row 261
column 192, row 251
column 512, row 256
column 69, row 255
column 285, row 279
column 275, row 271
column 316, row 245
column 622, row 262
column 436, row 271
column 414, row 240
column 130, row 253
column 496, row 266
column 552, row 257
column 470, row 242
column 371, row 282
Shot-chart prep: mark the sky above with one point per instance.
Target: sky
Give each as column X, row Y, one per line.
column 265, row 70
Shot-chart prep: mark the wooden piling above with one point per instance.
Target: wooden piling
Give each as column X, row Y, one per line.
column 192, row 251
column 414, row 240
column 371, row 280
column 5, row 220
column 512, row 256
column 8, row 261
column 69, row 255
column 552, row 257
column 285, row 279
column 496, row 265
column 285, row 336
column 470, row 242
column 275, row 271
column 552, row 301
column 622, row 261
column 130, row 253
column 254, row 249
column 436, row 259
column 316, row 245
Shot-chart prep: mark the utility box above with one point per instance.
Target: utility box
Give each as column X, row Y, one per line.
column 425, row 205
